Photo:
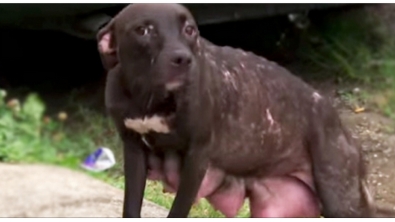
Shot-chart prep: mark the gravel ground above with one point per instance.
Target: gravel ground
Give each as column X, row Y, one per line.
column 48, row 191
column 376, row 134
column 378, row 143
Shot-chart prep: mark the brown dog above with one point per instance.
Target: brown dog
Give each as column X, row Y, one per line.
column 223, row 124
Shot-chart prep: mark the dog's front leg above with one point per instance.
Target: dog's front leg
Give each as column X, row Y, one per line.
column 192, row 174
column 135, row 167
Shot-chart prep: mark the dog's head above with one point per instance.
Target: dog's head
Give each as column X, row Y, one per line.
column 154, row 43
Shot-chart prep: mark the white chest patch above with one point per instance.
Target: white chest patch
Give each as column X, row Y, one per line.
column 142, row 126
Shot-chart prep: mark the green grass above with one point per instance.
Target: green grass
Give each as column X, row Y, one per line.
column 357, row 50
column 349, row 50
column 28, row 136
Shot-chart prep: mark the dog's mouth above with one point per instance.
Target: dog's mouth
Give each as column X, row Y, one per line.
column 175, row 81
column 174, row 85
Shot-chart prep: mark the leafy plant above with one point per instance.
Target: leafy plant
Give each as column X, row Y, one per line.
column 355, row 50
column 26, row 135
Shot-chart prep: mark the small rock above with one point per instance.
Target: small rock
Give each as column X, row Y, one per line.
column 356, row 90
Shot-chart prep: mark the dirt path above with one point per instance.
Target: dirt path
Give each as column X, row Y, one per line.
column 48, row 191
column 376, row 134
column 378, row 143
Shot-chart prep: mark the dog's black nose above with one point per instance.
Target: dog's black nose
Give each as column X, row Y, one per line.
column 181, row 59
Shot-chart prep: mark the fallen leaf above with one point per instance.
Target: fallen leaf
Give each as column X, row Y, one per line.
column 359, row 109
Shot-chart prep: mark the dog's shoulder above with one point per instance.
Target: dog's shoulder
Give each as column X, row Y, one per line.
column 235, row 56
column 243, row 65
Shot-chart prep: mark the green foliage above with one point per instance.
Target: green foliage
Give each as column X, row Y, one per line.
column 348, row 49
column 355, row 50
column 25, row 135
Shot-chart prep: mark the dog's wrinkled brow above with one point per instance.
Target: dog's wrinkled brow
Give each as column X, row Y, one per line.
column 132, row 24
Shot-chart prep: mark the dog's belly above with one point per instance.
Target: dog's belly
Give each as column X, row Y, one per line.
column 226, row 192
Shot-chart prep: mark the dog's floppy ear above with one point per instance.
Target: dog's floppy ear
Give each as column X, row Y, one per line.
column 107, row 46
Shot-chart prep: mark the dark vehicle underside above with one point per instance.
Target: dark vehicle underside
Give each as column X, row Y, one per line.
column 83, row 20
column 52, row 47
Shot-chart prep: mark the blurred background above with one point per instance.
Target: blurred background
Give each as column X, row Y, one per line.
column 52, row 106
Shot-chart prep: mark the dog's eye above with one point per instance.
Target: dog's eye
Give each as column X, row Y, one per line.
column 190, row 30
column 141, row 30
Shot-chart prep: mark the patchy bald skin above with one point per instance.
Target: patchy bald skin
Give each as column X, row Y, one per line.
column 223, row 124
